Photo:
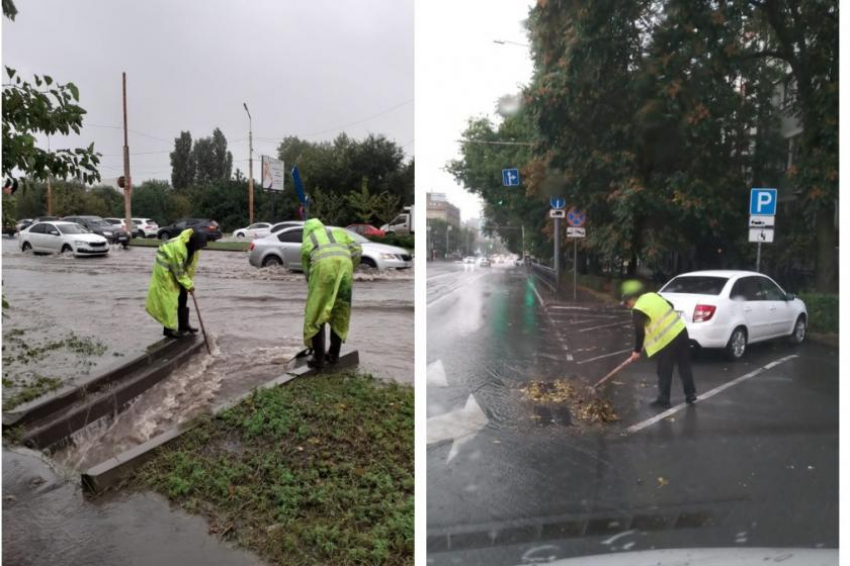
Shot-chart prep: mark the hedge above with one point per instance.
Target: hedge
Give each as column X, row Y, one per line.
column 407, row 242
column 823, row 312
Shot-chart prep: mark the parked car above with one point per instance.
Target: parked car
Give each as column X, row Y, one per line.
column 731, row 309
column 366, row 230
column 201, row 225
column 60, row 237
column 118, row 222
column 145, row 227
column 284, row 248
column 254, row 231
column 97, row 225
column 485, row 262
column 286, row 224
column 469, row 259
column 23, row 224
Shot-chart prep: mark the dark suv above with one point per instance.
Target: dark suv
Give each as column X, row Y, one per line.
column 205, row 226
column 97, row 225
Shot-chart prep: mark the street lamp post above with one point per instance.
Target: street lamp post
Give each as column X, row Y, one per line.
column 250, row 166
column 448, row 229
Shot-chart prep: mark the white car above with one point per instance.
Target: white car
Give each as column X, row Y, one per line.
column 254, row 231
column 284, row 248
column 145, row 227
column 730, row 309
column 60, row 237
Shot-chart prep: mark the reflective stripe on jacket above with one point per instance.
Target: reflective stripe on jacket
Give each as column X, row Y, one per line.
column 664, row 322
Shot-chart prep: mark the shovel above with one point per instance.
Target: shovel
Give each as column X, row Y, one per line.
column 613, row 372
column 201, row 322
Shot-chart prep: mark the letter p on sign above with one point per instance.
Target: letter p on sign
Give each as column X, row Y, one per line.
column 763, row 202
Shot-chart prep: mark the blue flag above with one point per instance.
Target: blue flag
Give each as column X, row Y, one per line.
column 299, row 187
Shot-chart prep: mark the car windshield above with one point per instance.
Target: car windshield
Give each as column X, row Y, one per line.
column 72, row 229
column 356, row 237
column 696, row 285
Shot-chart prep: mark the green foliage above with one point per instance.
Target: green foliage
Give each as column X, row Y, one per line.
column 319, row 471
column 48, row 108
column 362, row 203
column 823, row 312
column 182, row 162
column 329, row 207
column 212, row 161
column 407, row 242
column 387, row 206
column 659, row 132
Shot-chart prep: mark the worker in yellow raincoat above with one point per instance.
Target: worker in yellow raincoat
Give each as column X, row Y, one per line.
column 173, row 271
column 328, row 257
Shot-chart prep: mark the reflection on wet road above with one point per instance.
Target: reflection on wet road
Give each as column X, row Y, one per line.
column 508, row 474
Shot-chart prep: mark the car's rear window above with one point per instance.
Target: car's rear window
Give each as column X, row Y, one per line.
column 696, row 285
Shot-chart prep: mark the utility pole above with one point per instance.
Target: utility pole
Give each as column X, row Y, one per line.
column 128, row 184
column 557, row 253
column 250, row 167
column 448, row 229
column 49, row 188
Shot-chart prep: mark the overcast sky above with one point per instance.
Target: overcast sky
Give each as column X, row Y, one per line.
column 460, row 73
column 311, row 68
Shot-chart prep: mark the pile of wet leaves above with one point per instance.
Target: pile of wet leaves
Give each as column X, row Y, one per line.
column 590, row 410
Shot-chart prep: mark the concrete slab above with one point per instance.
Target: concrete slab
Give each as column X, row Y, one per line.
column 108, row 473
column 113, row 391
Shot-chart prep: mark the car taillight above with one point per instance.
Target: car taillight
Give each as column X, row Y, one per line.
column 251, row 247
column 703, row 313
column 212, row 227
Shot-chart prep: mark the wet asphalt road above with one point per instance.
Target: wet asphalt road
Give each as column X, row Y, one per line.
column 255, row 320
column 512, row 481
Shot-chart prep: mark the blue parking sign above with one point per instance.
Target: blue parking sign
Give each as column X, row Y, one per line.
column 763, row 202
column 510, row 177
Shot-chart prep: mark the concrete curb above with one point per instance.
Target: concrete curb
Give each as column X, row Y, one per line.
column 57, row 428
column 110, row 472
column 831, row 339
column 66, row 396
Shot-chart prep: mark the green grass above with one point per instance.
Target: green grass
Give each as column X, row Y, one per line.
column 214, row 246
column 28, row 390
column 319, row 471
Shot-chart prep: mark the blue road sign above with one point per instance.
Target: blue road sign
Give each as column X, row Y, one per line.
column 557, row 202
column 576, row 218
column 510, row 177
column 763, row 202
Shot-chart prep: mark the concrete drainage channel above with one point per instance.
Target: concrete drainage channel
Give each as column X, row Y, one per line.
column 48, row 423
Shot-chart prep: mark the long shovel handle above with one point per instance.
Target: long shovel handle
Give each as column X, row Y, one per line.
column 201, row 322
column 613, row 373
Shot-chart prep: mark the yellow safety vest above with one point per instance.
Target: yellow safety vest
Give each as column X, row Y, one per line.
column 664, row 323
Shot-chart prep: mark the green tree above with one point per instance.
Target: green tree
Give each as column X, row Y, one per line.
column 213, row 162
column 386, row 207
column 182, row 162
column 362, row 203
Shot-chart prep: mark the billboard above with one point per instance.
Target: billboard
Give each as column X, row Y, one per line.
column 272, row 173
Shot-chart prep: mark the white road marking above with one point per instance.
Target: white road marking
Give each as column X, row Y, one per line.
column 605, row 356
column 432, row 278
column 614, row 325
column 436, row 374
column 539, row 298
column 449, row 294
column 458, row 426
column 552, row 323
column 661, row 416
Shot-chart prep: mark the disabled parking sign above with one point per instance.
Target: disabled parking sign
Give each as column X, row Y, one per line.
column 763, row 202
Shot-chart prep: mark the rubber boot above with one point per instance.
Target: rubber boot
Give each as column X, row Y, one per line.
column 318, row 359
column 171, row 333
column 336, row 346
column 183, row 321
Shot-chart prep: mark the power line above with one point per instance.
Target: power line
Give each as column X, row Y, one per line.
column 343, row 126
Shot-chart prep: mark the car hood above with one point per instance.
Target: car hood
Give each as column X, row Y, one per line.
column 707, row 557
column 383, row 249
column 86, row 237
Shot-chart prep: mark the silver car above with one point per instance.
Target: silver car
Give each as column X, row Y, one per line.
column 284, row 248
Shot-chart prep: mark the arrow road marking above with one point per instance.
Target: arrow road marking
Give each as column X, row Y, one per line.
column 458, row 425
column 436, row 374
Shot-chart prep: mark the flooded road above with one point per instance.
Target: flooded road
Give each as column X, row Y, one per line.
column 254, row 319
column 48, row 522
column 514, row 477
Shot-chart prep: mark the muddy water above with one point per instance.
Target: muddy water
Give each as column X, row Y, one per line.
column 47, row 522
column 253, row 316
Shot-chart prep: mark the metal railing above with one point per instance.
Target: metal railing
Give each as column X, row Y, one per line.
column 545, row 274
